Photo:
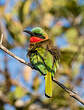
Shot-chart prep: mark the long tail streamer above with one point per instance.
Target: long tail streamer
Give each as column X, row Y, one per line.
column 48, row 85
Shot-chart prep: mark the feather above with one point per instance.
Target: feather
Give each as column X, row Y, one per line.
column 48, row 85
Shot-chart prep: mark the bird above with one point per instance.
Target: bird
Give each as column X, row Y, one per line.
column 43, row 55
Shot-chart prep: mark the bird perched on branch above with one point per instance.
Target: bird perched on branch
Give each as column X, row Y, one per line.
column 44, row 57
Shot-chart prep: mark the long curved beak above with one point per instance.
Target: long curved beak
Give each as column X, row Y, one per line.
column 29, row 32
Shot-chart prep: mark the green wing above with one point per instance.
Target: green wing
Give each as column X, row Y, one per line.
column 43, row 61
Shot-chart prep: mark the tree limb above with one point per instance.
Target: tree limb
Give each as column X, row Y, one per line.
column 70, row 92
column 12, row 54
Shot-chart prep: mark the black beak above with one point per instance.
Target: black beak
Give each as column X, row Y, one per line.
column 29, row 32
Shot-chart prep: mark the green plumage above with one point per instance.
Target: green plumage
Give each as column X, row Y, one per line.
column 43, row 61
column 44, row 57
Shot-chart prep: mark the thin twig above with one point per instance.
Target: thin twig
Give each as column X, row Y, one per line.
column 12, row 54
column 1, row 39
column 70, row 92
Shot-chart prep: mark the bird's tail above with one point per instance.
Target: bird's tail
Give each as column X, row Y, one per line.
column 48, row 85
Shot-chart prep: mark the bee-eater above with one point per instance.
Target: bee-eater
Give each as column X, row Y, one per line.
column 44, row 57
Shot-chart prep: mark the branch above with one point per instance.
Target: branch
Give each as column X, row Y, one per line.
column 1, row 39
column 12, row 54
column 70, row 92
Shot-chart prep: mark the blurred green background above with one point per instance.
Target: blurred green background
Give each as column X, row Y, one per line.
column 22, row 88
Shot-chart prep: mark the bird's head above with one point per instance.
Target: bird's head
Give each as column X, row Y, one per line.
column 37, row 34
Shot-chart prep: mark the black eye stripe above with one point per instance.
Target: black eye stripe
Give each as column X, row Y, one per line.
column 42, row 37
column 39, row 35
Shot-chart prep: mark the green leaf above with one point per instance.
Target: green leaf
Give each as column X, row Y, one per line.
column 72, row 35
column 19, row 92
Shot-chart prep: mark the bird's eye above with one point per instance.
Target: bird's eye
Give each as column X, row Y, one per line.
column 42, row 37
column 39, row 35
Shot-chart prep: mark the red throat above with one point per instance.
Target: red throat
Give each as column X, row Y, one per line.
column 35, row 39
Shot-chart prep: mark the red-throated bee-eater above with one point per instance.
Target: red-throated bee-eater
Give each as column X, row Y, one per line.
column 44, row 57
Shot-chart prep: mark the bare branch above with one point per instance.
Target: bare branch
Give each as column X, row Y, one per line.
column 70, row 92
column 1, row 39
column 12, row 54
